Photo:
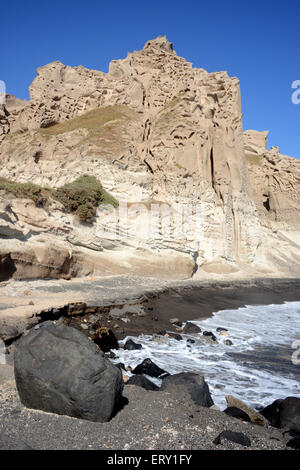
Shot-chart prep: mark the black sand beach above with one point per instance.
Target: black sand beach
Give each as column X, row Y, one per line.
column 149, row 420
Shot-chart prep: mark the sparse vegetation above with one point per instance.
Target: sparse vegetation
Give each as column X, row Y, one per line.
column 91, row 120
column 81, row 197
column 25, row 190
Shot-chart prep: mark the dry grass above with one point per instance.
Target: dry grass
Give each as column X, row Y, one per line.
column 92, row 120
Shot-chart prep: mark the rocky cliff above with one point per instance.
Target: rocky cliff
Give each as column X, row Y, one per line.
column 197, row 196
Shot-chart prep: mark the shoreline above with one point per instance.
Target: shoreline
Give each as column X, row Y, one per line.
column 148, row 304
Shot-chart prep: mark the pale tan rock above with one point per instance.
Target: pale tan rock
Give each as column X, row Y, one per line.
column 255, row 142
column 255, row 417
column 153, row 130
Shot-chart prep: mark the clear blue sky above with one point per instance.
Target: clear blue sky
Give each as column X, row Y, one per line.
column 257, row 41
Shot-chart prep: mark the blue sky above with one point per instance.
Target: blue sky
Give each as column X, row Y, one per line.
column 257, row 41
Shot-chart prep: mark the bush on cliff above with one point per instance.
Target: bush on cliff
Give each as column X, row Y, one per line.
column 81, row 197
column 25, row 190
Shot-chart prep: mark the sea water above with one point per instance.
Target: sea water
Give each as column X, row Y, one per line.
column 259, row 367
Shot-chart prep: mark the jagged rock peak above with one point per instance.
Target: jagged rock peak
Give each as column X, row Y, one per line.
column 162, row 43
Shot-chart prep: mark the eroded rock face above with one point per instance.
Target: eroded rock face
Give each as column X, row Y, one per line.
column 59, row 370
column 275, row 180
column 153, row 130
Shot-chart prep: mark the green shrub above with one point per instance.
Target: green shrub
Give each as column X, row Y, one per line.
column 26, row 191
column 83, row 196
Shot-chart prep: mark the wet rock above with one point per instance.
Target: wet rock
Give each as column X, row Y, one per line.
column 210, row 335
column 235, row 412
column 110, row 355
column 191, row 328
column 142, row 381
column 130, row 345
column 59, row 370
column 149, row 368
column 236, row 437
column 161, row 333
column 175, row 336
column 228, row 342
column 105, row 339
column 193, row 383
column 219, row 329
column 160, row 339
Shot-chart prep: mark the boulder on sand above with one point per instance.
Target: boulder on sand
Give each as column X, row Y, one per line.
column 236, row 437
column 193, row 383
column 284, row 414
column 59, row 370
column 142, row 381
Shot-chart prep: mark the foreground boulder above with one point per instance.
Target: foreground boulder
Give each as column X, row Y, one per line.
column 193, row 383
column 284, row 414
column 59, row 370
column 142, row 381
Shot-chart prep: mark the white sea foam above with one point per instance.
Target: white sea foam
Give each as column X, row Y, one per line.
column 257, row 368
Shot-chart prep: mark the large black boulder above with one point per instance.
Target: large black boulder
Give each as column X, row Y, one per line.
column 142, row 381
column 59, row 370
column 193, row 383
column 284, row 414
column 149, row 368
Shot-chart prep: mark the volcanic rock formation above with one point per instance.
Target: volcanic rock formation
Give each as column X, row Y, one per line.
column 154, row 130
